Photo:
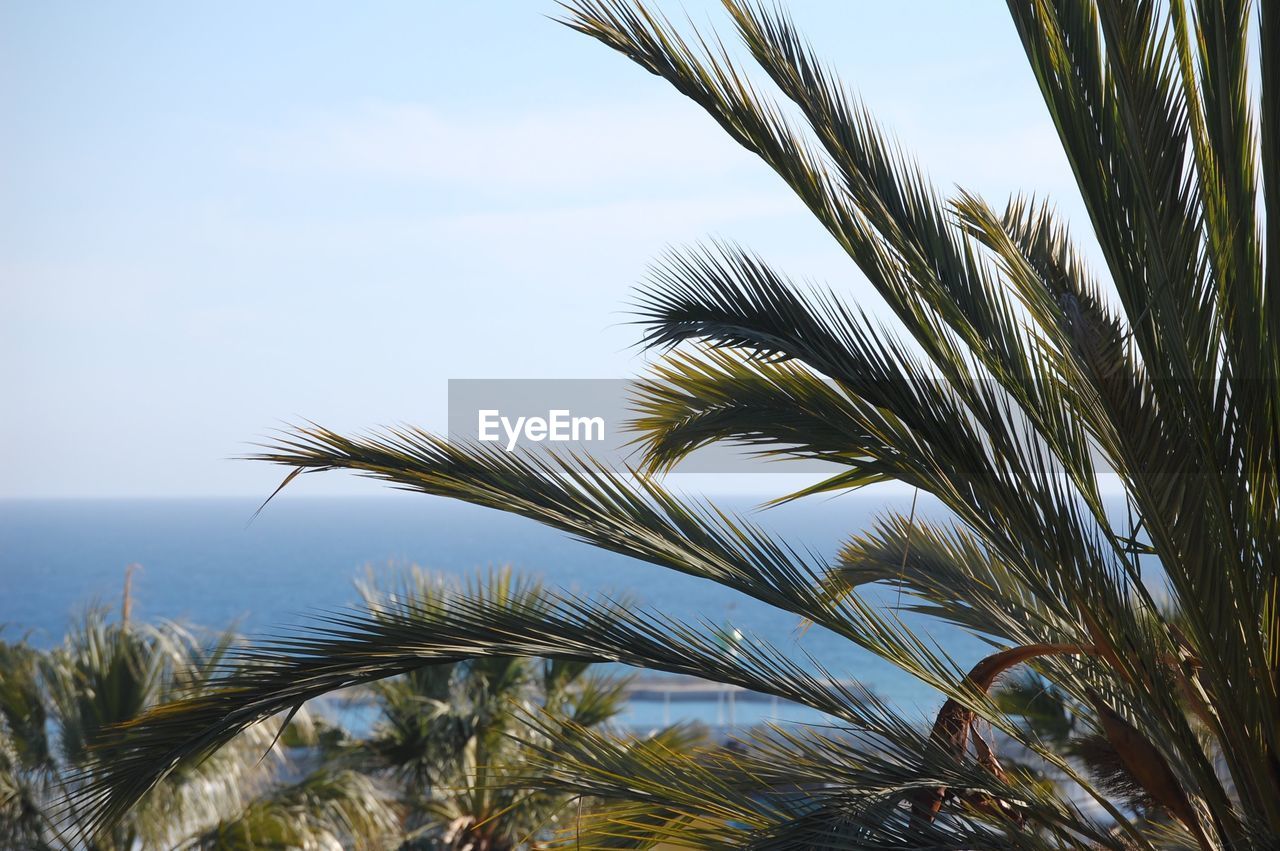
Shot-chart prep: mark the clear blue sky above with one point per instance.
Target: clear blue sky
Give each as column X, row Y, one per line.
column 218, row 216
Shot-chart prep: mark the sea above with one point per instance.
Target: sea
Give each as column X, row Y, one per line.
column 212, row 563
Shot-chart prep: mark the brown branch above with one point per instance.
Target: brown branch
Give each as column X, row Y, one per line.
column 951, row 727
column 1142, row 759
column 1147, row 766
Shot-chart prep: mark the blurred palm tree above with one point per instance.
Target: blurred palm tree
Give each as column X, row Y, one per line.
column 1018, row 379
column 455, row 737
column 55, row 704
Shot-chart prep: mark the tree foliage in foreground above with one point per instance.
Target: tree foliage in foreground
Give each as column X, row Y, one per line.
column 454, row 740
column 429, row 768
column 55, row 703
column 1016, row 377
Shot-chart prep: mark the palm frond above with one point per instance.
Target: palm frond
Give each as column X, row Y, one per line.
column 951, row 576
column 402, row 637
column 803, row 784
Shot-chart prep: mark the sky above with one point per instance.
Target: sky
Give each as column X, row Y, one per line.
column 218, row 218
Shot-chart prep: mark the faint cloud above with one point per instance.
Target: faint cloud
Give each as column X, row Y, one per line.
column 509, row 239
column 624, row 220
column 567, row 148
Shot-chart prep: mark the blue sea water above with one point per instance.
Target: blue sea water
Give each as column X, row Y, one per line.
column 203, row 562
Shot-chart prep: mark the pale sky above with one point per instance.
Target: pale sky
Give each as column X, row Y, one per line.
column 217, row 217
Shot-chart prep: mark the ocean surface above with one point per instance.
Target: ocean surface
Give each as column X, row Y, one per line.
column 205, row 563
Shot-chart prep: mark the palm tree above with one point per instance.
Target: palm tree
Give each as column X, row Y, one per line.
column 1017, row 379
column 453, row 738
column 55, row 703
